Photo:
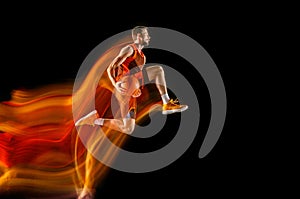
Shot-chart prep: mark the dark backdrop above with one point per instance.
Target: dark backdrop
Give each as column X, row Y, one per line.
column 41, row 47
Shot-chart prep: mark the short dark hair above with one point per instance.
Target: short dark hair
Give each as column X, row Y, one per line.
column 138, row 29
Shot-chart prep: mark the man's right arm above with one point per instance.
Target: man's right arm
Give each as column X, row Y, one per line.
column 121, row 57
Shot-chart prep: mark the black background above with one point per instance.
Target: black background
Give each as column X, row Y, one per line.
column 47, row 46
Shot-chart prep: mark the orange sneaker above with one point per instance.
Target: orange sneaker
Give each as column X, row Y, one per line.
column 88, row 119
column 173, row 106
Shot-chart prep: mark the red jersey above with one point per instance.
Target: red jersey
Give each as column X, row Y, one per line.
column 132, row 65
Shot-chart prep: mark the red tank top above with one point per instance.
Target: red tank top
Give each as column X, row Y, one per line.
column 135, row 60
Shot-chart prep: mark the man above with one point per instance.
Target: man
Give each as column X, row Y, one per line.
column 127, row 75
column 130, row 62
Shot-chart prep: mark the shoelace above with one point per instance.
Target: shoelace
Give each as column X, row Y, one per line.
column 174, row 101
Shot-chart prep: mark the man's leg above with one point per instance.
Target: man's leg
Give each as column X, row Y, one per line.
column 125, row 125
column 87, row 119
column 156, row 73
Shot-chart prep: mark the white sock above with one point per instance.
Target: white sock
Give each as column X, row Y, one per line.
column 99, row 121
column 165, row 98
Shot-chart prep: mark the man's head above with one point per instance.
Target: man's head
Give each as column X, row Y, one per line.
column 140, row 35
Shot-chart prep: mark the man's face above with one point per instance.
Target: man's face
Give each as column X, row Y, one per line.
column 145, row 38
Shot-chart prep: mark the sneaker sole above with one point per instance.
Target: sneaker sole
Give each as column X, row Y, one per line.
column 167, row 112
column 86, row 116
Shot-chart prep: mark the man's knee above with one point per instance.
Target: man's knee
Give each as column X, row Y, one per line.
column 154, row 70
column 158, row 69
column 128, row 130
column 129, row 127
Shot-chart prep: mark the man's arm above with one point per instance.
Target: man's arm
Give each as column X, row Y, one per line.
column 121, row 57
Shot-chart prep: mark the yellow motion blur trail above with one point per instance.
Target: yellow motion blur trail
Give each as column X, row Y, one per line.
column 41, row 154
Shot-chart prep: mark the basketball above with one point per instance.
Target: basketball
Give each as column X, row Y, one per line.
column 130, row 83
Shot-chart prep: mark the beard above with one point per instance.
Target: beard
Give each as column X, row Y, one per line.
column 145, row 43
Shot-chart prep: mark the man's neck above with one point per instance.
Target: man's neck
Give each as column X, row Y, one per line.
column 139, row 46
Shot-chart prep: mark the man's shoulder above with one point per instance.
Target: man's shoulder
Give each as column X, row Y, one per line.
column 128, row 48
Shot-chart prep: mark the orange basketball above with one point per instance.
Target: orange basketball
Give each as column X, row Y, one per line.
column 131, row 83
